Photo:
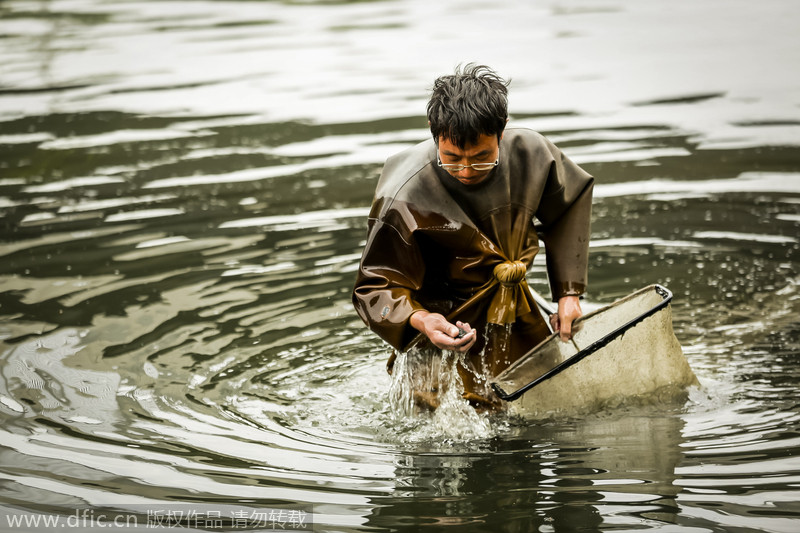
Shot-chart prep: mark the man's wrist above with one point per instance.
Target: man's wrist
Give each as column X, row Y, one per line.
column 417, row 319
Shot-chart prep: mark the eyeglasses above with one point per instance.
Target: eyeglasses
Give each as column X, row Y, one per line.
column 473, row 166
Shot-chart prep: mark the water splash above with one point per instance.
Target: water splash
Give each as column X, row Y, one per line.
column 421, row 380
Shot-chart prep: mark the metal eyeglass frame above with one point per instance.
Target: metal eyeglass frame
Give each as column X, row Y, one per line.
column 474, row 166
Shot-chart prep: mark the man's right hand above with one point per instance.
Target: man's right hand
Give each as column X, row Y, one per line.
column 442, row 333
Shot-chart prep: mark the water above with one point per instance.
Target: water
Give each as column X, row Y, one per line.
column 183, row 191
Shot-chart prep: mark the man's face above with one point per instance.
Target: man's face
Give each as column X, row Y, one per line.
column 485, row 150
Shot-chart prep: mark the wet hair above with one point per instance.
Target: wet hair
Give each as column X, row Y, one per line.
column 467, row 104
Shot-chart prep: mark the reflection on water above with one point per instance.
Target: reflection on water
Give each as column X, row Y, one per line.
column 183, row 192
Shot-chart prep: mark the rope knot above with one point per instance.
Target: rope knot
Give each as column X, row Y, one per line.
column 510, row 272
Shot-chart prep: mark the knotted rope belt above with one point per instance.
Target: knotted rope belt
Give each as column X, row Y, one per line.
column 510, row 272
column 511, row 298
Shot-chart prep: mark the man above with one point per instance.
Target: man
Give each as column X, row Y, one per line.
column 451, row 234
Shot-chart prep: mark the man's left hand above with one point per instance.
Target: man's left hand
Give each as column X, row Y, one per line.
column 569, row 309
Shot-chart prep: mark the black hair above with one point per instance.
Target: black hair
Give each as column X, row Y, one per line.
column 467, row 104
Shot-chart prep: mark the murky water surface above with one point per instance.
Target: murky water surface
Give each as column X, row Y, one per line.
column 183, row 191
